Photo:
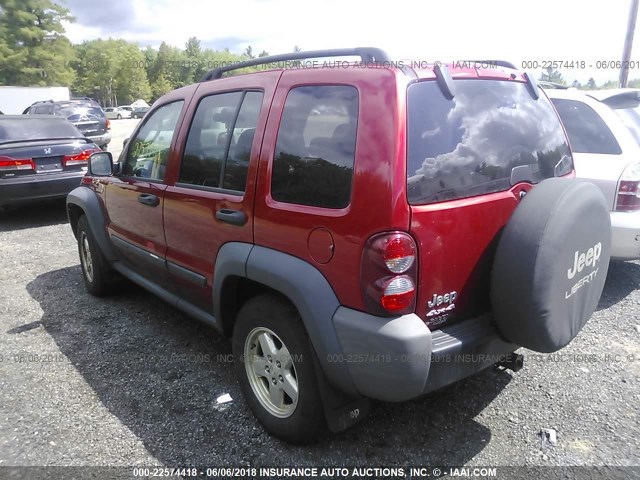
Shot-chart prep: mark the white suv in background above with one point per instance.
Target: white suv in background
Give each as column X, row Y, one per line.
column 603, row 127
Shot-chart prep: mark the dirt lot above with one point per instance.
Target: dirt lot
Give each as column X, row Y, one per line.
column 129, row 380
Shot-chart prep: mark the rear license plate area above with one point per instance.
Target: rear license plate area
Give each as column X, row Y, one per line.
column 50, row 164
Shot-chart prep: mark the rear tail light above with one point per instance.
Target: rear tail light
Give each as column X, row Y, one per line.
column 12, row 164
column 108, row 124
column 81, row 158
column 628, row 198
column 388, row 274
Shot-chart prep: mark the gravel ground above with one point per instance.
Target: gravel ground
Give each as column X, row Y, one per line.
column 128, row 380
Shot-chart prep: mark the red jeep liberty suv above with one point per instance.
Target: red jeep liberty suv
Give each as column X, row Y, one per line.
column 360, row 230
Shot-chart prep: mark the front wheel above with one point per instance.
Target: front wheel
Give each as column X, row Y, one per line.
column 274, row 365
column 99, row 278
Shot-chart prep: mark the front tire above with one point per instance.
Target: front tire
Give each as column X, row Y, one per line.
column 99, row 278
column 274, row 365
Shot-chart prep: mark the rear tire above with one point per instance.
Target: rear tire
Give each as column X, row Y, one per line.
column 99, row 278
column 119, row 117
column 274, row 365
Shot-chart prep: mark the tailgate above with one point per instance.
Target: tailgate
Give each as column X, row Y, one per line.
column 456, row 244
column 468, row 160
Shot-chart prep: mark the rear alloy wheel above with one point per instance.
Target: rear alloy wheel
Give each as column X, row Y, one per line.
column 99, row 278
column 119, row 117
column 271, row 372
column 274, row 365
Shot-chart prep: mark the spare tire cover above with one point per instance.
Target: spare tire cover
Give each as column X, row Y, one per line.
column 551, row 264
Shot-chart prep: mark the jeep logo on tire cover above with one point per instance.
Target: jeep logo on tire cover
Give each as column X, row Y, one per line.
column 581, row 260
column 585, row 259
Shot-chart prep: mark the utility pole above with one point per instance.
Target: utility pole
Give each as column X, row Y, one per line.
column 628, row 43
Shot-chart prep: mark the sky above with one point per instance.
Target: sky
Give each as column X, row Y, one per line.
column 592, row 32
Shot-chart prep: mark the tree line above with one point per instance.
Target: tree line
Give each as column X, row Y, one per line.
column 35, row 52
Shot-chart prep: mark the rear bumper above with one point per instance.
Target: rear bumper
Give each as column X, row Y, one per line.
column 397, row 359
column 100, row 140
column 625, row 235
column 38, row 187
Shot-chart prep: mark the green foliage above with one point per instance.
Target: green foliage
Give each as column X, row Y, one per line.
column 552, row 75
column 112, row 71
column 33, row 48
column 35, row 52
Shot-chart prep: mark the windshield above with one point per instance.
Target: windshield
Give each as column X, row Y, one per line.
column 35, row 128
column 631, row 119
column 489, row 136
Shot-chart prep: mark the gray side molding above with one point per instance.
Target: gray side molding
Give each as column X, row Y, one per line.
column 314, row 298
column 88, row 201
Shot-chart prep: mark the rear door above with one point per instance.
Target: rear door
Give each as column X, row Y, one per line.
column 468, row 161
column 210, row 198
column 135, row 199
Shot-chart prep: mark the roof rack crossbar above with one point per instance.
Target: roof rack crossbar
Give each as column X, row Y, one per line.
column 366, row 54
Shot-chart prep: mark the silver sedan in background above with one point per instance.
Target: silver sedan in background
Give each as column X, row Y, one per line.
column 603, row 127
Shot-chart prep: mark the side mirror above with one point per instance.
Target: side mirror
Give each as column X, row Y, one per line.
column 101, row 164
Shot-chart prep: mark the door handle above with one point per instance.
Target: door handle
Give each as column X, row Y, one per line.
column 149, row 199
column 234, row 217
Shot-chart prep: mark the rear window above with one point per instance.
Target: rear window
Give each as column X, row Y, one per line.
column 35, row 128
column 586, row 130
column 491, row 135
column 631, row 118
column 81, row 113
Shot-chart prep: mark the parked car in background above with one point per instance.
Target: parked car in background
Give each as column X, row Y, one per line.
column 348, row 251
column 117, row 113
column 84, row 113
column 41, row 157
column 139, row 112
column 604, row 131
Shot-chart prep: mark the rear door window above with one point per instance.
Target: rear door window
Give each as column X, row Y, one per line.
column 587, row 132
column 220, row 138
column 490, row 135
column 315, row 150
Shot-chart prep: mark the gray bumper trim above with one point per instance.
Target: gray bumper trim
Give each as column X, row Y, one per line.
column 388, row 358
column 397, row 359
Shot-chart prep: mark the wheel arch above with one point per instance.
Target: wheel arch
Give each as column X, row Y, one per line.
column 243, row 271
column 84, row 201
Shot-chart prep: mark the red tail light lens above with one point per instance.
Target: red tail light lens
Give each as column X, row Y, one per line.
column 628, row 199
column 399, row 253
column 81, row 158
column 399, row 294
column 108, row 124
column 388, row 274
column 9, row 164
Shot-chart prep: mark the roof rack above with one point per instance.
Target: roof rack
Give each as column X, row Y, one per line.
column 366, row 54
